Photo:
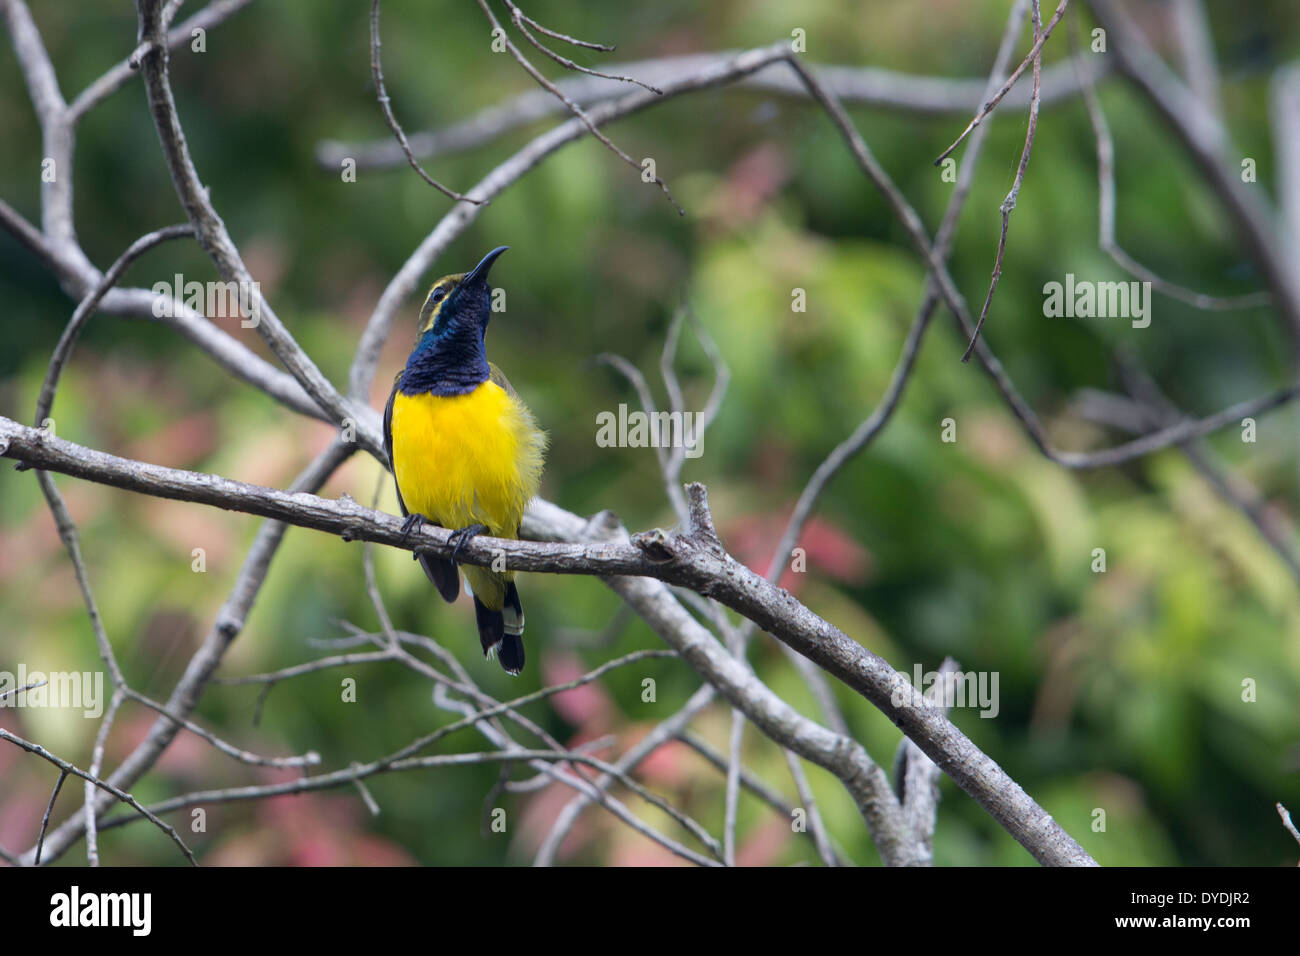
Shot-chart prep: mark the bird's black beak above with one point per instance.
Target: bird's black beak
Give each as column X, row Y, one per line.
column 481, row 270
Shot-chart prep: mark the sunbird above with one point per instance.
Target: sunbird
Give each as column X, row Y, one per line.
column 466, row 453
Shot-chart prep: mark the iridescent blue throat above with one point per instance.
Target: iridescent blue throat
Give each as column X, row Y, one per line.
column 450, row 362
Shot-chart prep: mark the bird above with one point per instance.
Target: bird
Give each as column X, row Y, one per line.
column 465, row 451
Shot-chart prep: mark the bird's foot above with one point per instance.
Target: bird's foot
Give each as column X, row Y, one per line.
column 413, row 523
column 461, row 535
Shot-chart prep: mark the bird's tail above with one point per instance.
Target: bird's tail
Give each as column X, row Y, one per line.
column 501, row 632
column 442, row 572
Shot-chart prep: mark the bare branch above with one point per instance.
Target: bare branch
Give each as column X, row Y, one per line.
column 225, row 628
column 688, row 560
column 519, row 14
column 1032, row 56
column 1196, row 52
column 1204, row 137
column 1106, row 209
column 1284, row 114
column 87, row 307
column 523, row 22
column 126, row 798
column 45, row 821
column 1019, row 407
column 1285, row 814
column 212, row 234
column 573, row 107
column 866, row 432
column 214, row 14
column 1009, row 203
column 362, row 771
column 664, row 732
column 638, row 382
column 504, row 708
column 916, row 776
column 385, row 105
column 854, row 85
column 96, row 765
column 30, row 685
column 1150, row 409
column 732, row 799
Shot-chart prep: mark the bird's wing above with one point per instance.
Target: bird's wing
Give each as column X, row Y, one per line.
column 388, row 440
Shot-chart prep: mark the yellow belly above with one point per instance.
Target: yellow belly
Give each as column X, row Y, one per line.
column 467, row 459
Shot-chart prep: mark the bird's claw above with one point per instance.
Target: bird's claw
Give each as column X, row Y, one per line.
column 412, row 524
column 461, row 535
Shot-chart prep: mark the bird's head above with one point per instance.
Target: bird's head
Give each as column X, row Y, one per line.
column 459, row 304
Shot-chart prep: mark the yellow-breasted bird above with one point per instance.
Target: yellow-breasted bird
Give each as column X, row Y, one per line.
column 465, row 451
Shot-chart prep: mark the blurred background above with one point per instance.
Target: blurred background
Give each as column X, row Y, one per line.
column 1120, row 690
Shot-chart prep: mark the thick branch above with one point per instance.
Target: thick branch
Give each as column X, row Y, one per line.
column 694, row 560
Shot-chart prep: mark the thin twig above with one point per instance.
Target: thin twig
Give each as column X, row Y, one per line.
column 816, row 826
column 227, row 625
column 549, row 691
column 573, row 107
column 30, row 685
column 866, row 432
column 385, row 105
column 309, row 759
column 523, row 22
column 362, row 771
column 86, row 308
column 121, row 73
column 297, row 670
column 96, row 766
column 992, row 103
column 541, row 781
column 663, row 732
column 662, row 452
column 366, row 797
column 560, row 36
column 1009, row 203
column 732, row 800
column 126, row 798
column 1150, row 409
column 368, row 566
column 1208, row 145
column 1285, row 814
column 45, row 821
column 1106, row 207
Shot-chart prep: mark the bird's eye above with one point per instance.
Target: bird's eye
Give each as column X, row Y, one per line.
column 438, row 295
